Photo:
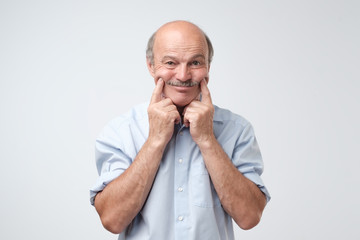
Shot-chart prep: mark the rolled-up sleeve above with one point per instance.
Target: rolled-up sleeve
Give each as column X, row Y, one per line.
column 248, row 160
column 111, row 161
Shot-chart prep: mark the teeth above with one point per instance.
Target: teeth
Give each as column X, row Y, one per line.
column 182, row 84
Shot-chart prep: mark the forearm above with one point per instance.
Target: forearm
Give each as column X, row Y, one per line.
column 239, row 196
column 123, row 198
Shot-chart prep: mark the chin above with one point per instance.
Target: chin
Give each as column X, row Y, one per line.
column 182, row 99
column 182, row 102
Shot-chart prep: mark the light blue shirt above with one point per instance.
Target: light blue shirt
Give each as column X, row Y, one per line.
column 182, row 204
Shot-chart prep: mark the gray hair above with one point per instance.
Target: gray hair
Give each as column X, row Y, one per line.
column 150, row 46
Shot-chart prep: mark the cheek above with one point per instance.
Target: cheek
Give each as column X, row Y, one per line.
column 166, row 90
column 200, row 75
column 163, row 73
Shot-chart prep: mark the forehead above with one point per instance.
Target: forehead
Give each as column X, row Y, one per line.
column 180, row 40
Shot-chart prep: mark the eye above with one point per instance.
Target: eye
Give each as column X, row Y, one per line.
column 170, row 63
column 195, row 63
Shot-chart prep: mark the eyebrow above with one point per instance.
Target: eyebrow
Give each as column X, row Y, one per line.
column 198, row 55
column 167, row 56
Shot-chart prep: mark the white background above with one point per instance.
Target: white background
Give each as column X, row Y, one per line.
column 290, row 67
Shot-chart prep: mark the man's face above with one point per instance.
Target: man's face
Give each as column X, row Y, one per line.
column 181, row 60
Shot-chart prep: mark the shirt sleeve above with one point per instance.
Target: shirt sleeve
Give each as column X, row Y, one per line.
column 111, row 161
column 248, row 160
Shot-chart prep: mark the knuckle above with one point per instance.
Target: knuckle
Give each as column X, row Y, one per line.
column 167, row 101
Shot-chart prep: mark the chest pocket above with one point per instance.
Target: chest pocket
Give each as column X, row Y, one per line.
column 203, row 193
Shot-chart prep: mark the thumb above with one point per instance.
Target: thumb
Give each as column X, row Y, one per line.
column 206, row 97
column 157, row 93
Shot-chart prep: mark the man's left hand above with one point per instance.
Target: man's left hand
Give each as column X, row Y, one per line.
column 198, row 115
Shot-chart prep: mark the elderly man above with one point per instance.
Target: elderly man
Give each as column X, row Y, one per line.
column 178, row 167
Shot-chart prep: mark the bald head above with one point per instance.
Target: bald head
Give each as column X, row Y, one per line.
column 180, row 29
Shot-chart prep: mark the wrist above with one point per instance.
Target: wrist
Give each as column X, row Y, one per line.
column 207, row 143
column 156, row 144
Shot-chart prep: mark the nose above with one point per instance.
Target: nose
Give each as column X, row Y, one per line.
column 182, row 73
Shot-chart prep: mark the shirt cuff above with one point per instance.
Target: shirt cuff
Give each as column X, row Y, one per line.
column 255, row 178
column 101, row 183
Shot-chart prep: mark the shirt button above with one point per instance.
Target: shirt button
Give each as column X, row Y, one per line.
column 180, row 189
column 180, row 218
column 181, row 133
column 180, row 160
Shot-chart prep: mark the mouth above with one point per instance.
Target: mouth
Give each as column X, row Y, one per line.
column 182, row 84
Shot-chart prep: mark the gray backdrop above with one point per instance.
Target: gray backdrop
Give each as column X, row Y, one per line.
column 290, row 67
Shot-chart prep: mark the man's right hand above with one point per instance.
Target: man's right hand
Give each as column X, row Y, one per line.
column 163, row 114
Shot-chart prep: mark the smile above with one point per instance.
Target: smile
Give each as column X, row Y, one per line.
column 182, row 84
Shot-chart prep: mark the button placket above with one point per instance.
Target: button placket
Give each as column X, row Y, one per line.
column 180, row 181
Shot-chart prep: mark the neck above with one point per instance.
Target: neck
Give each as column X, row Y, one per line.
column 180, row 109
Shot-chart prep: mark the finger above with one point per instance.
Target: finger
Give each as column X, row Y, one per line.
column 206, row 98
column 169, row 107
column 186, row 114
column 184, row 111
column 189, row 118
column 177, row 119
column 173, row 115
column 157, row 93
column 188, row 108
column 186, row 122
column 166, row 101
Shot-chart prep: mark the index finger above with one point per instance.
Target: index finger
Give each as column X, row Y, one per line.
column 206, row 97
column 156, row 95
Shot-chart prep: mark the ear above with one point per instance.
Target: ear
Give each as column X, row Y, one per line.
column 150, row 67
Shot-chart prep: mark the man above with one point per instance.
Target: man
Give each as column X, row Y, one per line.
column 179, row 167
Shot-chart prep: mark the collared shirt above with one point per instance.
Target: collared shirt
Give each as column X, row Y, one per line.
column 182, row 203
